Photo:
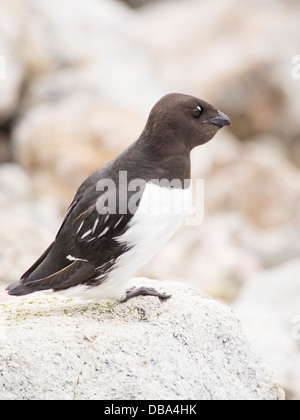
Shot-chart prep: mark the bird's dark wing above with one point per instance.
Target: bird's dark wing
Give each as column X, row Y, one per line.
column 37, row 263
column 84, row 252
column 90, row 232
column 45, row 254
column 91, row 227
column 70, row 276
column 85, row 248
column 91, row 236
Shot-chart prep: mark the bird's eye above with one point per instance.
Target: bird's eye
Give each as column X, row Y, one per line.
column 197, row 111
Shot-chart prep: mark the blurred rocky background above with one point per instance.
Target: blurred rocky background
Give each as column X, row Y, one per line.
column 77, row 81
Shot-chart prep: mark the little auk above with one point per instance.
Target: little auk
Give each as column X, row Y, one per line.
column 123, row 213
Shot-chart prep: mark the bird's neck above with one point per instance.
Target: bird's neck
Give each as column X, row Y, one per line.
column 164, row 159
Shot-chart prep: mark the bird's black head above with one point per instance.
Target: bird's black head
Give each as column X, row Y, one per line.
column 185, row 120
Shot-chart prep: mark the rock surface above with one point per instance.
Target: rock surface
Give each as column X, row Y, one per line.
column 29, row 224
column 11, row 65
column 60, row 145
column 268, row 308
column 189, row 347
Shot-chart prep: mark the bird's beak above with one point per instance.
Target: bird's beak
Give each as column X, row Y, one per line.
column 220, row 120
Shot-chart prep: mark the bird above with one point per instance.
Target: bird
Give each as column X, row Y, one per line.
column 121, row 215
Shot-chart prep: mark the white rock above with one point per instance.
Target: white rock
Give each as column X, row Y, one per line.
column 87, row 46
column 221, row 151
column 15, row 184
column 211, row 256
column 272, row 247
column 11, row 65
column 62, row 144
column 28, row 224
column 220, row 40
column 90, row 89
column 190, row 347
column 270, row 313
column 260, row 184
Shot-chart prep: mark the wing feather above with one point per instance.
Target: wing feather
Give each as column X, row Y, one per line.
column 72, row 275
column 37, row 263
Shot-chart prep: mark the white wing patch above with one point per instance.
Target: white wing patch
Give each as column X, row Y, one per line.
column 95, row 225
column 70, row 258
column 80, row 227
column 86, row 233
column 118, row 222
column 104, row 232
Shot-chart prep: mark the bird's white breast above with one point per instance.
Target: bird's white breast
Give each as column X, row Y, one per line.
column 158, row 216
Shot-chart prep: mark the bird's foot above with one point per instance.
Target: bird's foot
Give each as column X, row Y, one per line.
column 144, row 291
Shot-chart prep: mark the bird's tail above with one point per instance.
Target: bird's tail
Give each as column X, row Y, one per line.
column 73, row 274
column 19, row 289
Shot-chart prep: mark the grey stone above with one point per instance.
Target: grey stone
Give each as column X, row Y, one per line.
column 268, row 307
column 189, row 347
